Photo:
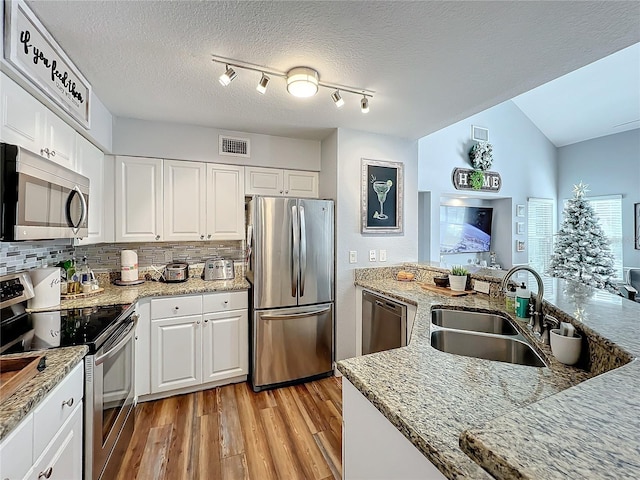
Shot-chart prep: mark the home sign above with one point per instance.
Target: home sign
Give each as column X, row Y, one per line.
column 461, row 178
column 30, row 48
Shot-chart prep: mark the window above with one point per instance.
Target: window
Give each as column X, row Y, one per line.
column 608, row 209
column 540, row 233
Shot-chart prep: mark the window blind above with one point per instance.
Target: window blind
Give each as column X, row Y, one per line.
column 608, row 209
column 540, row 232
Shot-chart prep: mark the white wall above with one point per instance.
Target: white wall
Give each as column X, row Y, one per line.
column 352, row 146
column 191, row 142
column 524, row 157
column 609, row 165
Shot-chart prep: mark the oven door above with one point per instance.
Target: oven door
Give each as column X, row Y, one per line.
column 109, row 388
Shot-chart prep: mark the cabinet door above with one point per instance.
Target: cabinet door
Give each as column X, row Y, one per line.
column 90, row 163
column 225, row 202
column 184, row 200
column 225, row 345
column 300, row 184
column 176, row 352
column 143, row 348
column 22, row 116
column 263, row 181
column 62, row 460
column 138, row 199
column 16, row 450
column 60, row 139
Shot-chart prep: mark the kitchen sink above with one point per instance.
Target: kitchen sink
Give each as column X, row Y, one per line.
column 488, row 347
column 473, row 321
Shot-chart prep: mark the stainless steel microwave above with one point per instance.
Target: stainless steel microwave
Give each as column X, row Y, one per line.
column 40, row 199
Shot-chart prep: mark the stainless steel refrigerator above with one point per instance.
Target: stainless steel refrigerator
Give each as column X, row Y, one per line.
column 291, row 269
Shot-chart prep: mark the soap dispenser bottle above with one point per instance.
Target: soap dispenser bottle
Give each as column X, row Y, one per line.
column 510, row 299
column 523, row 295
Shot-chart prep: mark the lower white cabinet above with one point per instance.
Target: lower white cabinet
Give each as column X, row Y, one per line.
column 194, row 340
column 47, row 443
column 143, row 348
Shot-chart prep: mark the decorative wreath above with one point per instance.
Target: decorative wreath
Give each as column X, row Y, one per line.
column 481, row 156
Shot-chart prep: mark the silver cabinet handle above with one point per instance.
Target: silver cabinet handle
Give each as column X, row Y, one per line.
column 47, row 473
column 201, row 237
column 286, row 192
column 280, row 192
column 197, row 322
column 53, row 154
column 68, row 403
column 209, row 236
column 177, row 307
column 157, row 237
column 206, row 320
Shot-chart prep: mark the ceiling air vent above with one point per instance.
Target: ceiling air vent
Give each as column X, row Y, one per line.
column 234, row 147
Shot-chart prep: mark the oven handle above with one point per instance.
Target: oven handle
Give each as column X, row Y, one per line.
column 127, row 335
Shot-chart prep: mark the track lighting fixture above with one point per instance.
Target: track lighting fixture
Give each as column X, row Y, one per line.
column 262, row 84
column 227, row 77
column 364, row 105
column 337, row 99
column 301, row 81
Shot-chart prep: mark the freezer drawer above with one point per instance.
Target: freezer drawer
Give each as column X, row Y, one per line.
column 384, row 324
column 291, row 344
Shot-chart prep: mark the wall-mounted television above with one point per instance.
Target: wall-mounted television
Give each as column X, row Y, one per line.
column 465, row 229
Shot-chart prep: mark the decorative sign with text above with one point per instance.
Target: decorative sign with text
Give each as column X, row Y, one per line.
column 461, row 178
column 30, row 48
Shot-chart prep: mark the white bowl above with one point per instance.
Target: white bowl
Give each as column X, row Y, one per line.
column 566, row 349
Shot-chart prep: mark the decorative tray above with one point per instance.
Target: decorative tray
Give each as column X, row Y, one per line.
column 446, row 290
column 15, row 372
column 71, row 296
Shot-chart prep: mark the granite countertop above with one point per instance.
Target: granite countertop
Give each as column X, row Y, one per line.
column 59, row 362
column 515, row 421
column 116, row 295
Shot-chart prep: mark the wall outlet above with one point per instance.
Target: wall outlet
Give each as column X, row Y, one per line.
column 372, row 255
column 383, row 255
column 168, row 256
column 482, row 287
column 353, row 256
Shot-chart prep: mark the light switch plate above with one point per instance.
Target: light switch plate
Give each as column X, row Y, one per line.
column 353, row 256
column 482, row 287
column 383, row 255
column 372, row 255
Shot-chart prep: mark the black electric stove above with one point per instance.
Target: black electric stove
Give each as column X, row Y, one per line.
column 21, row 331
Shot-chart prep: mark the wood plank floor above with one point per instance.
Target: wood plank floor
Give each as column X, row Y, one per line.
column 233, row 433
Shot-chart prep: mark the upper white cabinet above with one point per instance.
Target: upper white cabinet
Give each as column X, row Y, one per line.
column 275, row 182
column 28, row 123
column 139, row 212
column 185, row 196
column 225, row 202
column 90, row 163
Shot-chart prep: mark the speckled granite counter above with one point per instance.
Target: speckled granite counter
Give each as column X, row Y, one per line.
column 60, row 361
column 512, row 419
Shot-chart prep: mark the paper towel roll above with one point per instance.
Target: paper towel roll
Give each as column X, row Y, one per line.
column 46, row 287
column 128, row 265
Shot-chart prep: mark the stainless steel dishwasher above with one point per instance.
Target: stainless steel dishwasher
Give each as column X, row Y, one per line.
column 384, row 324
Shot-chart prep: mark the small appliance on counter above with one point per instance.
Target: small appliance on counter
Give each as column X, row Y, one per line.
column 176, row 272
column 128, row 269
column 218, row 269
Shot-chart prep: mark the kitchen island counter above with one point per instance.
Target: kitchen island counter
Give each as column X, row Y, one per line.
column 505, row 415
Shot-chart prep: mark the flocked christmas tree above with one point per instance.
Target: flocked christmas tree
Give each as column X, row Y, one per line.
column 582, row 251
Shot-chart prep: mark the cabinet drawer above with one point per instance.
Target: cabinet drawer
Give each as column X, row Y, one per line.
column 16, row 451
column 56, row 408
column 176, row 306
column 223, row 301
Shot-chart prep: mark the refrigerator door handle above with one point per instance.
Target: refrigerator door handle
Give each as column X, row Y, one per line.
column 295, row 253
column 291, row 316
column 303, row 250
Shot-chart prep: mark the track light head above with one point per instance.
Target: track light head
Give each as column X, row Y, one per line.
column 302, row 82
column 364, row 104
column 227, row 77
column 337, row 99
column 262, row 84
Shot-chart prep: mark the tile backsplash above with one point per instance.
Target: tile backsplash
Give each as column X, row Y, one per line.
column 20, row 256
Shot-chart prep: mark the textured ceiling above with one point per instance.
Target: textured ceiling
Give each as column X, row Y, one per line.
column 430, row 63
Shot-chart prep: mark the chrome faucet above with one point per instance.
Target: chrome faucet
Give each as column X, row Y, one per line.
column 537, row 317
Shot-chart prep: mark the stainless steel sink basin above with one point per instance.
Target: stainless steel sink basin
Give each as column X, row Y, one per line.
column 488, row 347
column 473, row 321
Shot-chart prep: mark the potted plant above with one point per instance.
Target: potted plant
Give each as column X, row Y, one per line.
column 458, row 278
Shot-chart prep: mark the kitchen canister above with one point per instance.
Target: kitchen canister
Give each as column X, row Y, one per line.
column 128, row 266
column 46, row 288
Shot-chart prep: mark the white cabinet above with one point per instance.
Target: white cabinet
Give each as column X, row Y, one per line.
column 138, row 212
column 225, row 202
column 48, row 441
column 28, row 123
column 90, row 163
column 143, row 348
column 189, row 349
column 276, row 182
column 185, row 197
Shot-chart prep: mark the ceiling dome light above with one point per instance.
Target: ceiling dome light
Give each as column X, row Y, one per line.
column 262, row 84
column 364, row 104
column 302, row 82
column 227, row 77
column 337, row 99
